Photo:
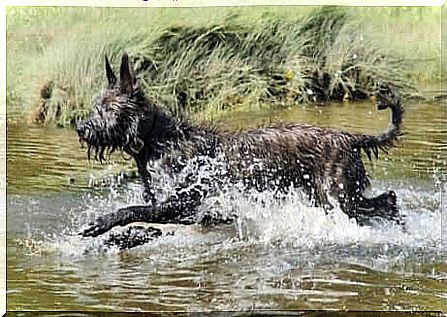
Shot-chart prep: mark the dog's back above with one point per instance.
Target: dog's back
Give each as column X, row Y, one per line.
column 323, row 162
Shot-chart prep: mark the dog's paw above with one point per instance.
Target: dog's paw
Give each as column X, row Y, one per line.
column 394, row 212
column 99, row 226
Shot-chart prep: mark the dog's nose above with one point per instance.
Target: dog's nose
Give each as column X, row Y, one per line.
column 80, row 128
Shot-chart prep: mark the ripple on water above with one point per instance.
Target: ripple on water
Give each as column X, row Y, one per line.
column 279, row 254
column 277, row 249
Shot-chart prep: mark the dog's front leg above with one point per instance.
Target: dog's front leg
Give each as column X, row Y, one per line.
column 148, row 194
column 133, row 237
column 180, row 208
column 121, row 217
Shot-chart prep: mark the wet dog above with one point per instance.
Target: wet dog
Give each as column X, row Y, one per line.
column 323, row 163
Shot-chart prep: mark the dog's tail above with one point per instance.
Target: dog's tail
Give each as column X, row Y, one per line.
column 386, row 98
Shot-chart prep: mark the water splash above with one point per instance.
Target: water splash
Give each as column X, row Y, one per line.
column 277, row 247
column 264, row 221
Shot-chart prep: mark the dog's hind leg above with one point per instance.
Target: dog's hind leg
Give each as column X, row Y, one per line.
column 383, row 206
column 180, row 208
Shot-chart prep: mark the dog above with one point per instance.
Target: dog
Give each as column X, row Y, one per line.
column 322, row 162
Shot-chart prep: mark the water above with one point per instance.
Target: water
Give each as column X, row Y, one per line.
column 279, row 255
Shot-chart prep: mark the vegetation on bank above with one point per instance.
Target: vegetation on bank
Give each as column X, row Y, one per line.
column 202, row 61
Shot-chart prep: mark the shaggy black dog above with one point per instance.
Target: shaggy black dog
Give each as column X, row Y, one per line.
column 322, row 162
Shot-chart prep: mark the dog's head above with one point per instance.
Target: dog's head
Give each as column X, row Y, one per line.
column 118, row 115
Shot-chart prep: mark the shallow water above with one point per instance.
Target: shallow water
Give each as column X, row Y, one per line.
column 279, row 255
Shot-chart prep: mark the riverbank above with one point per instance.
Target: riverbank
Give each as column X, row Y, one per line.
column 205, row 60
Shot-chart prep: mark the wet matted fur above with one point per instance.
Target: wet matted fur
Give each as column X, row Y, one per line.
column 322, row 162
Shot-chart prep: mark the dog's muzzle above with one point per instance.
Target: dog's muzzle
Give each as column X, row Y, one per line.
column 82, row 130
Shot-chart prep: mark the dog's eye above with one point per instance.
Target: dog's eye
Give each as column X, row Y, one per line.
column 113, row 106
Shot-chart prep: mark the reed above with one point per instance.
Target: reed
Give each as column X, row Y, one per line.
column 198, row 67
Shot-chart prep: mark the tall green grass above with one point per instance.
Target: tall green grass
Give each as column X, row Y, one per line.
column 201, row 60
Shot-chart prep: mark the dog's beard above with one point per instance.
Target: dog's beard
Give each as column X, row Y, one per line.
column 103, row 143
column 101, row 153
column 97, row 149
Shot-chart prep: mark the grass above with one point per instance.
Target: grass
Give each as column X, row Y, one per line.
column 208, row 60
column 412, row 33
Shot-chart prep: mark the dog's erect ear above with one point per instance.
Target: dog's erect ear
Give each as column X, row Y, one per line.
column 127, row 78
column 111, row 78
